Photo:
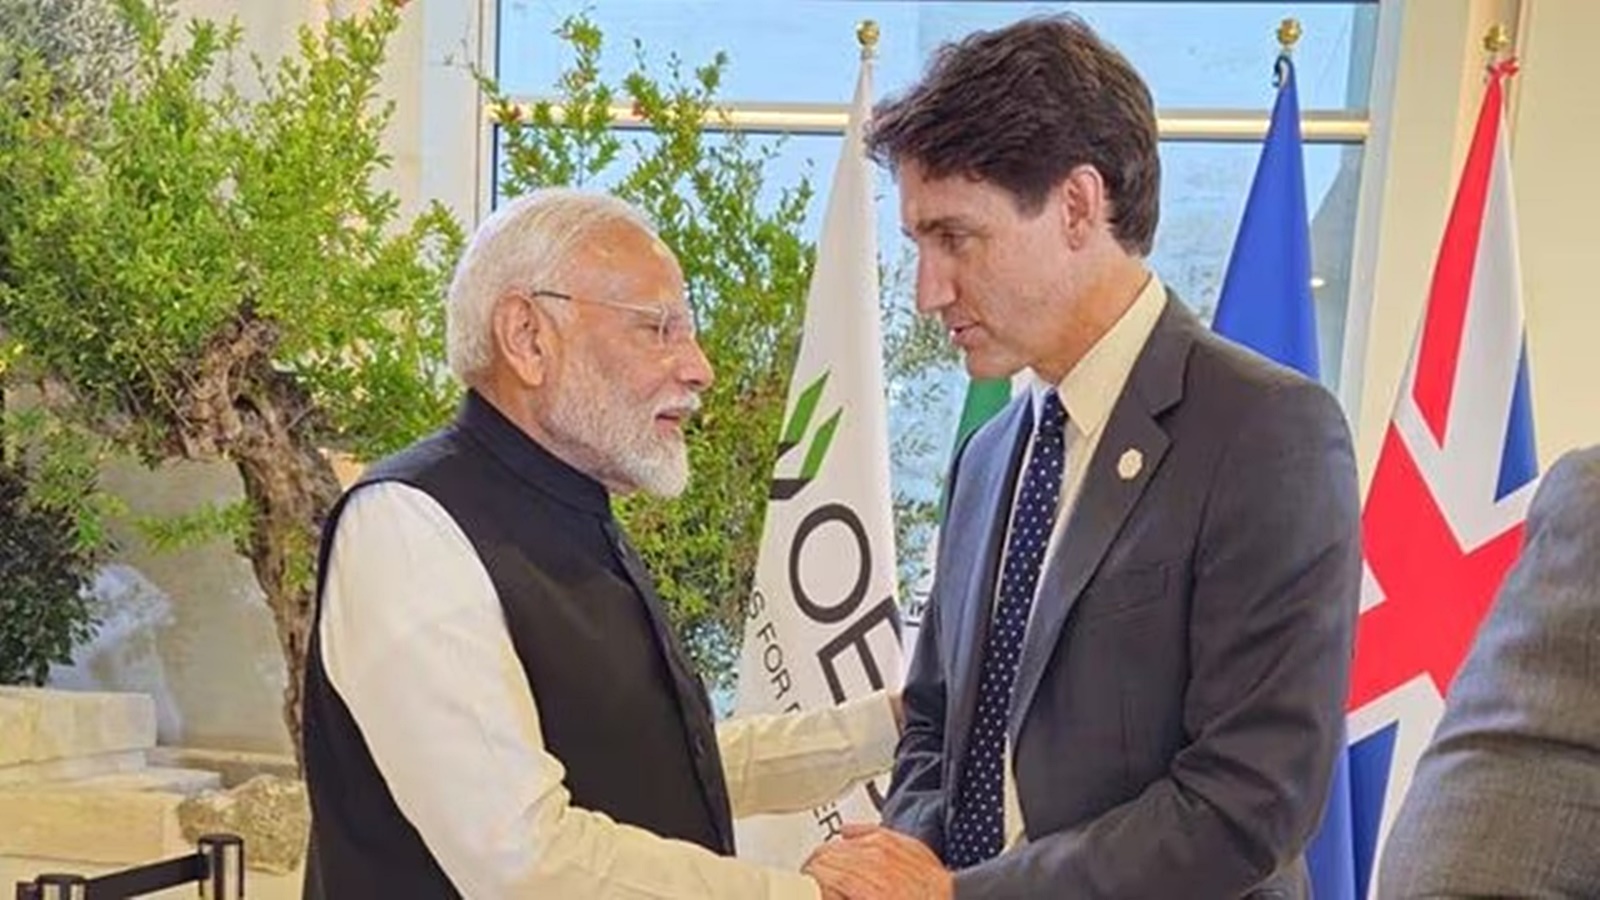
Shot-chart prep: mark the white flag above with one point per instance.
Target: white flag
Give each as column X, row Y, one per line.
column 823, row 622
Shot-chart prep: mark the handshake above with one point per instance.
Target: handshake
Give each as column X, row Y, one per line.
column 874, row 863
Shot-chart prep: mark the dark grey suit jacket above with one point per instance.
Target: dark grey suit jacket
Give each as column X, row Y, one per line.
column 1181, row 692
column 1506, row 800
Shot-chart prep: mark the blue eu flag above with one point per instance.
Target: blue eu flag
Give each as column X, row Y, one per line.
column 1266, row 305
column 1266, row 294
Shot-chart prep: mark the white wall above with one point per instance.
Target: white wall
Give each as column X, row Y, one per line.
column 191, row 628
column 1555, row 148
column 1426, row 98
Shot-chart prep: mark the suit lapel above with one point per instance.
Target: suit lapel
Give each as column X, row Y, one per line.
column 974, row 542
column 1102, row 506
column 1111, row 487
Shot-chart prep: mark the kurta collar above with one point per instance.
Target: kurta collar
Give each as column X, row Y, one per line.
column 528, row 460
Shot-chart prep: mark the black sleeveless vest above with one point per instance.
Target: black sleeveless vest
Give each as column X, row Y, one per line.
column 618, row 702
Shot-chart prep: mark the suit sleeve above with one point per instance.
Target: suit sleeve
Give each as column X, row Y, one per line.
column 1505, row 802
column 915, row 805
column 1276, row 581
column 916, row 802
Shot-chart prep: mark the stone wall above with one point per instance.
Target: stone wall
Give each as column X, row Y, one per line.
column 80, row 793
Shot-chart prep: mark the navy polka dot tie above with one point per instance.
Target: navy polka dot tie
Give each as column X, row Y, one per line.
column 977, row 828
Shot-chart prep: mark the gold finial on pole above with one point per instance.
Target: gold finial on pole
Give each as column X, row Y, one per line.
column 1497, row 39
column 1288, row 34
column 867, row 36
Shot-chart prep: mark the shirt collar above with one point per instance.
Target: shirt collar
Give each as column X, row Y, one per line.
column 528, row 460
column 1091, row 388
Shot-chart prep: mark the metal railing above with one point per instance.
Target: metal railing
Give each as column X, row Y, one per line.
column 217, row 866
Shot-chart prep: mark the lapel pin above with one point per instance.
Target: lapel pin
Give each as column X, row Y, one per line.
column 1129, row 464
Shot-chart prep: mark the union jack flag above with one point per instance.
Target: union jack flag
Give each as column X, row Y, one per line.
column 1444, row 514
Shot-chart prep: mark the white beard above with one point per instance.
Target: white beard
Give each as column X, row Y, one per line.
column 617, row 442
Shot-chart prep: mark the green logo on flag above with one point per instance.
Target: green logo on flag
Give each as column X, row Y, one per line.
column 795, row 431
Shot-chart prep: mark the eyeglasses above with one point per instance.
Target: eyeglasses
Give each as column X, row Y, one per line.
column 673, row 325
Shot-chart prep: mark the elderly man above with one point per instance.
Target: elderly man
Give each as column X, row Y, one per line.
column 496, row 706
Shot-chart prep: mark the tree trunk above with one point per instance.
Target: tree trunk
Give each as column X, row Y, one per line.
column 240, row 406
column 291, row 486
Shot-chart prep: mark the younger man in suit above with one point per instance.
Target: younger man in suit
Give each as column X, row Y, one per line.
column 1131, row 678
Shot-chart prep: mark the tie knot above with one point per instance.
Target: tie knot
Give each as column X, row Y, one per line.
column 1052, row 415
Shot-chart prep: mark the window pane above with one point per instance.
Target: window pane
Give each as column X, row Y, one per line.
column 1205, row 55
column 795, row 156
column 1203, row 191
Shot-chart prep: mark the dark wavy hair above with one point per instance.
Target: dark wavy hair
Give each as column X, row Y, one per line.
column 1024, row 105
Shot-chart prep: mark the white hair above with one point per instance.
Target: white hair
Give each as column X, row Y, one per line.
column 528, row 242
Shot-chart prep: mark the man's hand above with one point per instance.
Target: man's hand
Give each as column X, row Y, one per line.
column 872, row 863
column 828, row 893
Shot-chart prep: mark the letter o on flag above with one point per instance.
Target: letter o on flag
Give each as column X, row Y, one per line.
column 822, row 515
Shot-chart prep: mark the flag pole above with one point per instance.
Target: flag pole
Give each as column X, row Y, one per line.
column 867, row 37
column 810, row 643
column 1266, row 302
column 1501, row 62
column 1496, row 41
column 1330, row 855
column 1289, row 34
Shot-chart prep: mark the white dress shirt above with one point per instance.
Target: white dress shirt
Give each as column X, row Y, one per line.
column 414, row 641
column 1088, row 392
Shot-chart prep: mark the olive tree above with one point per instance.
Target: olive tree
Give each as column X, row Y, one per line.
column 197, row 275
